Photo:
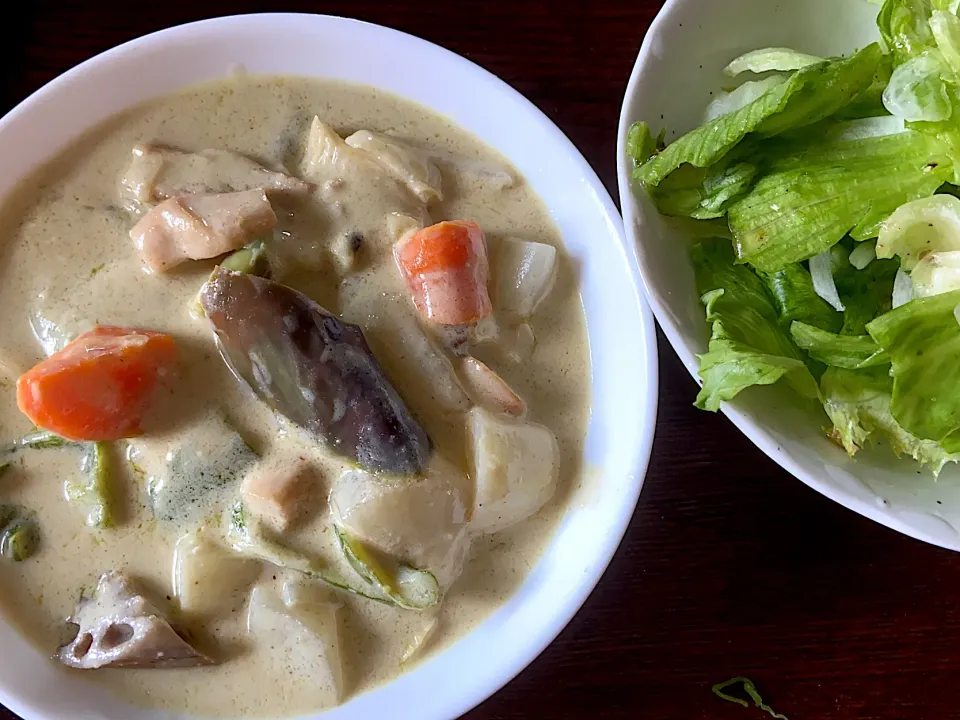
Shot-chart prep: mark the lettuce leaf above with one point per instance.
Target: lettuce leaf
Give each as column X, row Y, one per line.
column 858, row 404
column 853, row 352
column 865, row 293
column 792, row 291
column 747, row 344
column 705, row 194
column 922, row 339
column 815, row 195
column 810, row 95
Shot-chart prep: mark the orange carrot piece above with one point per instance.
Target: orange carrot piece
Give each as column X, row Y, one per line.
column 445, row 266
column 100, row 385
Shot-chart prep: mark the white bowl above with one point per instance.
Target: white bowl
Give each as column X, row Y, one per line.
column 622, row 340
column 678, row 68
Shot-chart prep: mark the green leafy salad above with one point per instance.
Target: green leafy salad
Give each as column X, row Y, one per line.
column 831, row 190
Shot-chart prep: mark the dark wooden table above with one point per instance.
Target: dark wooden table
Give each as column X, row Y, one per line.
column 731, row 566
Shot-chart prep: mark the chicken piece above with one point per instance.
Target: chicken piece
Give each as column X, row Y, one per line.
column 159, row 173
column 119, row 627
column 196, row 227
column 279, row 491
column 411, row 166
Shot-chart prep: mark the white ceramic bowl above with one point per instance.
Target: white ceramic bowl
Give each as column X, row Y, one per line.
column 678, row 68
column 622, row 340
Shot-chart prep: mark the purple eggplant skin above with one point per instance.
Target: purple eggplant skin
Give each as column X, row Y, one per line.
column 315, row 369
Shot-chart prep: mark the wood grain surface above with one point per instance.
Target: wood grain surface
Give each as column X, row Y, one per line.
column 731, row 566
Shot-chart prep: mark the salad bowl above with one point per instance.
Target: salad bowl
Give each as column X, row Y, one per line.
column 688, row 47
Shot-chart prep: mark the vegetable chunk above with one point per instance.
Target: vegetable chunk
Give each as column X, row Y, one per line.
column 118, row 627
column 315, row 369
column 446, row 268
column 100, row 386
column 196, row 227
column 515, row 466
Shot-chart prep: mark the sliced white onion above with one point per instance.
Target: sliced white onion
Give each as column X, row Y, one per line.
column 821, row 271
column 767, row 59
column 902, row 289
column 867, row 128
column 863, row 254
column 744, row 95
column 956, row 313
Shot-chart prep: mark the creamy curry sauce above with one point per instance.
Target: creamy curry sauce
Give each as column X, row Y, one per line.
column 68, row 259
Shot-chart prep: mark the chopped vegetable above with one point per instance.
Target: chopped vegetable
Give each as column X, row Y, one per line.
column 207, row 578
column 410, row 588
column 315, row 369
column 422, row 522
column 641, row 145
column 420, row 641
column 19, row 533
column 814, row 195
column 525, row 272
column 937, row 273
column 853, row 352
column 161, row 173
column 303, row 637
column 810, row 95
column 246, row 534
column 903, row 290
column 922, row 339
column 921, row 227
column 795, row 298
column 195, row 227
column 445, row 267
column 748, row 346
column 252, row 259
column 751, row 690
column 767, row 59
column 100, row 386
column 37, row 440
column 120, row 628
column 821, row 272
column 858, row 404
column 92, row 489
column 489, row 390
column 916, row 90
column 863, row 254
column 740, row 97
column 411, row 166
column 515, row 467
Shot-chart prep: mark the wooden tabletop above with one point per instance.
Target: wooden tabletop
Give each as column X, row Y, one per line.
column 731, row 566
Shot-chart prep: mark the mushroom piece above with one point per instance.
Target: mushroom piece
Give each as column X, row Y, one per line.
column 118, row 627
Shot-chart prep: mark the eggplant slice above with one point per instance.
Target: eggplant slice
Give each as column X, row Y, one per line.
column 315, row 369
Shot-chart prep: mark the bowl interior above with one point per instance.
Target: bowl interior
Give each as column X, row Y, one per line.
column 687, row 48
column 622, row 342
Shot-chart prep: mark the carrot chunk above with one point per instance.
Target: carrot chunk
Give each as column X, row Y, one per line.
column 100, row 386
column 445, row 266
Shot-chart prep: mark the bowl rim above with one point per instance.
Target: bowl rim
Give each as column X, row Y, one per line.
column 753, row 431
column 562, row 613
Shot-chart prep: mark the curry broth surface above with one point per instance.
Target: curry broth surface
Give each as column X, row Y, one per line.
column 65, row 252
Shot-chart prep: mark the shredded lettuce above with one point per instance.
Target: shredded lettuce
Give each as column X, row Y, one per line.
column 922, row 339
column 747, row 344
column 705, row 194
column 751, row 690
column 853, row 352
column 741, row 97
column 795, row 299
column 810, row 95
column 866, row 293
column 815, row 195
column 771, row 59
column 917, row 91
column 858, row 404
